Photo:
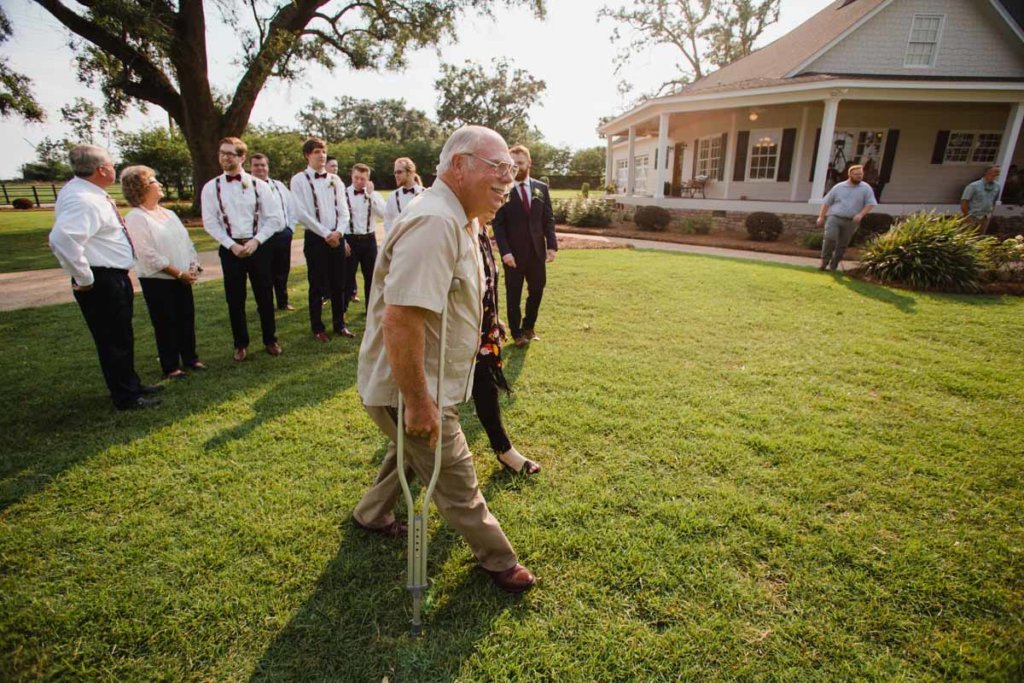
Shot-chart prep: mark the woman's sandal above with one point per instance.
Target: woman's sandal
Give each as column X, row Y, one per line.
column 528, row 468
column 198, row 366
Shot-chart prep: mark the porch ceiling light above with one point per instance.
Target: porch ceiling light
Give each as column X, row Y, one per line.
column 754, row 114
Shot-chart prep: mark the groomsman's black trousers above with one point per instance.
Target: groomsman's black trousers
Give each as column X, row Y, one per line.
column 257, row 269
column 364, row 255
column 534, row 273
column 107, row 309
column 172, row 311
column 281, row 265
column 325, row 270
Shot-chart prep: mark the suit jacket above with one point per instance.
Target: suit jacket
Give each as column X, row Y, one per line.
column 526, row 237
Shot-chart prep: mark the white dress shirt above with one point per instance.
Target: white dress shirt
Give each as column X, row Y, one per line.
column 284, row 197
column 397, row 203
column 87, row 231
column 329, row 211
column 160, row 241
column 237, row 206
column 364, row 210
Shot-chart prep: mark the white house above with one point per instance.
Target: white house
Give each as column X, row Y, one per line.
column 927, row 93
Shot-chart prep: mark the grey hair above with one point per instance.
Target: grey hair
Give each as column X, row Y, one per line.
column 85, row 159
column 135, row 183
column 465, row 140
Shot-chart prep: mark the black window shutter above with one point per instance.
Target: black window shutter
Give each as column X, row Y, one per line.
column 885, row 170
column 739, row 169
column 656, row 150
column 786, row 155
column 721, row 159
column 941, row 140
column 814, row 154
column 696, row 153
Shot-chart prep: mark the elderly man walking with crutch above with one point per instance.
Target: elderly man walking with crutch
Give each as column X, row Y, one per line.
column 431, row 261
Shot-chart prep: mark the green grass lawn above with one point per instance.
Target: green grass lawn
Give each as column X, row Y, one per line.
column 751, row 473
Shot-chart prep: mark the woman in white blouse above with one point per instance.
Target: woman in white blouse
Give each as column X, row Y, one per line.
column 167, row 265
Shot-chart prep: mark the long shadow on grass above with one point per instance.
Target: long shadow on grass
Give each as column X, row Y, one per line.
column 57, row 414
column 355, row 624
column 903, row 302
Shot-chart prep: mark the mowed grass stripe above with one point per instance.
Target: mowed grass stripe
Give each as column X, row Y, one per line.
column 751, row 472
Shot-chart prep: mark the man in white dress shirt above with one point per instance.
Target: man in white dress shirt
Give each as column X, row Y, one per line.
column 242, row 214
column 321, row 209
column 281, row 242
column 409, row 186
column 365, row 206
column 91, row 242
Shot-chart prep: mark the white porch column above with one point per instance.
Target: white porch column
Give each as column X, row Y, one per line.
column 661, row 156
column 609, row 165
column 730, row 157
column 828, row 131
column 798, row 156
column 631, row 161
column 1009, row 143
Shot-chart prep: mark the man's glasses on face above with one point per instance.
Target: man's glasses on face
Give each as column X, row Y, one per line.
column 502, row 168
column 228, row 154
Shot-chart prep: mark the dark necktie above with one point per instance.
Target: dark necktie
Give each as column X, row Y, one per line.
column 233, row 178
column 408, row 190
column 317, row 176
column 357, row 192
column 525, row 196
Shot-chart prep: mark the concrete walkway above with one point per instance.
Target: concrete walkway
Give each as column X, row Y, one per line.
column 32, row 288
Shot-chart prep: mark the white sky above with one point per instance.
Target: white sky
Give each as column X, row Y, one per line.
column 570, row 50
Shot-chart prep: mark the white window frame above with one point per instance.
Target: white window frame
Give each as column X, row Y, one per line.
column 853, row 133
column 642, row 164
column 935, row 45
column 975, row 136
column 756, row 136
column 621, row 173
column 709, row 170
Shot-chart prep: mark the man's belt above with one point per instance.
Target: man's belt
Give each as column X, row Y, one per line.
column 363, row 236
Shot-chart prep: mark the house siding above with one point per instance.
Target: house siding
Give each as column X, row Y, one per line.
column 975, row 42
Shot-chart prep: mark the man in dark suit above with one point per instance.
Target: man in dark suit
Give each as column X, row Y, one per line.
column 524, row 228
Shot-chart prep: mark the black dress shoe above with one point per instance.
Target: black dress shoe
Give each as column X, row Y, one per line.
column 139, row 403
column 151, row 388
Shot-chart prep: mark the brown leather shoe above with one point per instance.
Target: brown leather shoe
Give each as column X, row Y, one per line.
column 521, row 341
column 321, row 337
column 530, row 335
column 394, row 530
column 517, row 579
column 240, row 354
column 344, row 332
column 274, row 349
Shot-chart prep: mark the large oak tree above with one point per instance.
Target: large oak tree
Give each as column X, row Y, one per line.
column 155, row 51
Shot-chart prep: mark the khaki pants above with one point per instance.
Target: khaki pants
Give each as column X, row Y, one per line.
column 457, row 494
column 979, row 222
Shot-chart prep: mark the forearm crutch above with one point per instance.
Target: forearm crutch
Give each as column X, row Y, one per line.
column 416, row 565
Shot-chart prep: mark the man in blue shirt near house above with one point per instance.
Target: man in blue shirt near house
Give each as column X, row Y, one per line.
column 979, row 199
column 845, row 205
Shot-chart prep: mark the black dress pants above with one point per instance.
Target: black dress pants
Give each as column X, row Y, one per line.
column 534, row 273
column 364, row 255
column 257, row 269
column 107, row 309
column 173, row 314
column 485, row 398
column 281, row 265
column 325, row 270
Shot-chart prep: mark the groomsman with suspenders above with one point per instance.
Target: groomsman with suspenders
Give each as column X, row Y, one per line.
column 364, row 207
column 409, row 186
column 240, row 213
column 281, row 242
column 321, row 208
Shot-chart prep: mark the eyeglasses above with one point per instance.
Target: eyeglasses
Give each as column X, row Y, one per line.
column 228, row 154
column 500, row 167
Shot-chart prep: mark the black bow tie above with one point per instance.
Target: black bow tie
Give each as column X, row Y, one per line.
column 233, row 178
column 357, row 192
column 317, row 176
column 408, row 190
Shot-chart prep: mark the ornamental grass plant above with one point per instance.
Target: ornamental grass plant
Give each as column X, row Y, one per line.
column 926, row 251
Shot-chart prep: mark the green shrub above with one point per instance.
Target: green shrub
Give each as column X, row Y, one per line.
column 763, row 226
column 585, row 190
column 925, row 251
column 560, row 207
column 652, row 218
column 872, row 224
column 22, row 203
column 591, row 213
column 813, row 240
column 1002, row 259
column 611, row 188
column 700, row 225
